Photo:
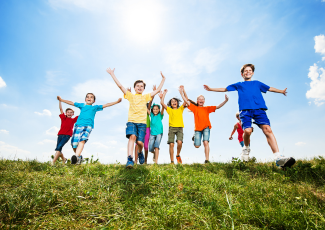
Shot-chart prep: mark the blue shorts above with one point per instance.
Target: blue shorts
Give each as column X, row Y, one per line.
column 137, row 129
column 198, row 136
column 258, row 115
column 80, row 133
column 154, row 142
column 62, row 140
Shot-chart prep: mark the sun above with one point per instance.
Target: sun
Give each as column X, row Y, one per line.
column 142, row 20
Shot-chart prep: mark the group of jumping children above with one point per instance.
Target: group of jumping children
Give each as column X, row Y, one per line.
column 145, row 129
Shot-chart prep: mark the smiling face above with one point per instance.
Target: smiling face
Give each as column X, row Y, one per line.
column 247, row 73
column 90, row 99
column 155, row 110
column 69, row 113
column 139, row 88
column 200, row 101
column 174, row 103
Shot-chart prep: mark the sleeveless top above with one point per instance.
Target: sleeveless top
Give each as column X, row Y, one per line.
column 240, row 132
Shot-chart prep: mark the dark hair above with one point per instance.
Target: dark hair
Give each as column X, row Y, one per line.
column 169, row 104
column 154, row 106
column 247, row 65
column 139, row 81
column 68, row 110
column 91, row 94
column 193, row 102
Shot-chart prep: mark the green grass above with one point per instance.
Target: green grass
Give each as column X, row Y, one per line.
column 36, row 195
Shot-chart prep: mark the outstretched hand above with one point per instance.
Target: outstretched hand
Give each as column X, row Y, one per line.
column 165, row 91
column 59, row 98
column 226, row 97
column 162, row 75
column 284, row 92
column 154, row 88
column 119, row 100
column 207, row 88
column 110, row 71
column 128, row 89
column 161, row 94
column 230, row 138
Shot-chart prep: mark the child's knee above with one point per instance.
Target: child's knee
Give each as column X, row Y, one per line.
column 197, row 146
column 140, row 143
column 133, row 137
column 248, row 131
column 171, row 145
column 206, row 143
column 267, row 129
column 179, row 142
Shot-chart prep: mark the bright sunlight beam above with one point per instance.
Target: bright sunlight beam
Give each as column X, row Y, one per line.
column 142, row 20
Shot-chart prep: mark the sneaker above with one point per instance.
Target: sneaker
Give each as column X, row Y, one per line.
column 244, row 156
column 80, row 160
column 284, row 162
column 206, row 162
column 129, row 163
column 141, row 158
column 179, row 159
column 172, row 162
column 74, row 159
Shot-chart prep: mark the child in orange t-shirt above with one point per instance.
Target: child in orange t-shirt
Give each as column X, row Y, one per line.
column 201, row 119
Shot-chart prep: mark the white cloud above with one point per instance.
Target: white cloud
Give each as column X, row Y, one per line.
column 45, row 113
column 47, row 141
column 2, row 83
column 9, row 151
column 52, row 131
column 4, row 131
column 300, row 143
column 320, row 44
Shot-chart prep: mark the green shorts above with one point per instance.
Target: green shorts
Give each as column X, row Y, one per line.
column 178, row 131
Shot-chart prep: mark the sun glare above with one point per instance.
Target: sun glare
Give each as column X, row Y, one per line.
column 142, row 20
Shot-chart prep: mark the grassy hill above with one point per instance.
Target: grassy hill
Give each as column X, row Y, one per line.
column 36, row 195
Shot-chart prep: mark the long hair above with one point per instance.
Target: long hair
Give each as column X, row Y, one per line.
column 169, row 104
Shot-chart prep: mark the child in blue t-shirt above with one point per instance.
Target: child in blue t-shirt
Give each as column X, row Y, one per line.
column 252, row 107
column 85, row 123
column 156, row 131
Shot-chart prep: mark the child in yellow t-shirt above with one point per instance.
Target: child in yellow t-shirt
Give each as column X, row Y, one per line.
column 137, row 118
column 176, row 125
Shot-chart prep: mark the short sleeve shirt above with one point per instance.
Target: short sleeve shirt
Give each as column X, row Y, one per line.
column 138, row 107
column 67, row 124
column 176, row 116
column 87, row 114
column 201, row 116
column 250, row 94
column 156, row 124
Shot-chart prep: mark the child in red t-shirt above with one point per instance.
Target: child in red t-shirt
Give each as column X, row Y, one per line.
column 67, row 123
column 240, row 131
column 201, row 120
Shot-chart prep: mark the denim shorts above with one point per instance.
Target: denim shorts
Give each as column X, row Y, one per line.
column 154, row 142
column 62, row 140
column 258, row 115
column 137, row 129
column 198, row 136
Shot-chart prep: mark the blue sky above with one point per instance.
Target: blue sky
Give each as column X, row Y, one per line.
column 63, row 47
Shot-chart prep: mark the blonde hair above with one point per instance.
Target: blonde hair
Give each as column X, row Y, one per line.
column 200, row 96
column 237, row 114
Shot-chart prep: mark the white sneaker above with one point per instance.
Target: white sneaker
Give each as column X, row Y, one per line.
column 79, row 160
column 284, row 162
column 244, row 156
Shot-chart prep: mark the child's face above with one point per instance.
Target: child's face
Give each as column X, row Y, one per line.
column 174, row 103
column 70, row 113
column 200, row 101
column 248, row 73
column 139, row 88
column 90, row 99
column 155, row 110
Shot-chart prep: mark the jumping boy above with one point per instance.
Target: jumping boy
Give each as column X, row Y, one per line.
column 65, row 132
column 85, row 123
column 137, row 117
column 201, row 120
column 176, row 125
column 252, row 107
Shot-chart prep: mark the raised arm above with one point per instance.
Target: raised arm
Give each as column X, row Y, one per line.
column 112, row 103
column 162, row 98
column 223, row 103
column 60, row 106
column 182, row 92
column 160, row 85
column 215, row 89
column 162, row 110
column 233, row 131
column 65, row 101
column 284, row 92
column 111, row 72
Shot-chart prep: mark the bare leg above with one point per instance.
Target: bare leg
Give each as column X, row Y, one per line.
column 140, row 146
column 136, row 154
column 56, row 156
column 145, row 156
column 179, row 147
column 63, row 158
column 270, row 138
column 74, row 150
column 206, row 149
column 247, row 135
column 171, row 151
column 132, row 139
column 156, row 155
column 80, row 147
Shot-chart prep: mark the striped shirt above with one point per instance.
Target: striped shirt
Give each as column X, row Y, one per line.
column 138, row 107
